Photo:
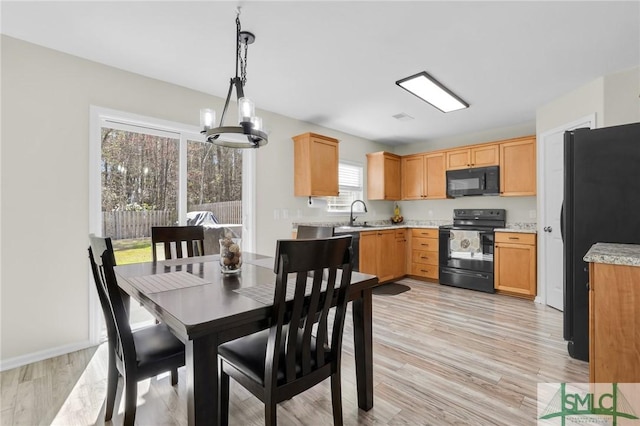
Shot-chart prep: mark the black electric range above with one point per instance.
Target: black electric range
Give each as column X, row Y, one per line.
column 466, row 248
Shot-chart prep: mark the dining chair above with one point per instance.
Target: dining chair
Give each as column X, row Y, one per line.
column 133, row 355
column 310, row 232
column 287, row 359
column 174, row 236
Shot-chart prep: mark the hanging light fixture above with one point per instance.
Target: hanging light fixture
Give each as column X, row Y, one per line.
column 249, row 133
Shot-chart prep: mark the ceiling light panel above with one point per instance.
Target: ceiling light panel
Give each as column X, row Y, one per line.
column 431, row 91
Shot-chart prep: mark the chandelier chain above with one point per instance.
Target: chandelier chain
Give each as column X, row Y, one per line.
column 241, row 58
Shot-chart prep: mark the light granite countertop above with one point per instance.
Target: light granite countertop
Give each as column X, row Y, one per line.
column 525, row 228
column 614, row 254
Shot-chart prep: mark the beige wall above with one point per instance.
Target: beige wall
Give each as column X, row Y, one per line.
column 45, row 194
column 622, row 97
column 615, row 99
column 576, row 104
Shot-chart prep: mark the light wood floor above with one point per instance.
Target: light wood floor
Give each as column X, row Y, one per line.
column 442, row 356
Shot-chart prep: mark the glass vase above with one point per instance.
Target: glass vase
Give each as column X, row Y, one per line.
column 230, row 255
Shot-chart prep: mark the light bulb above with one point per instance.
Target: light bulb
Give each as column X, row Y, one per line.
column 246, row 110
column 256, row 123
column 207, row 118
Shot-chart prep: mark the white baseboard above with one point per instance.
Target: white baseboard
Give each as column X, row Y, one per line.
column 539, row 300
column 19, row 361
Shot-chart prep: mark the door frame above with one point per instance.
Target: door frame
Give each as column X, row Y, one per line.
column 589, row 119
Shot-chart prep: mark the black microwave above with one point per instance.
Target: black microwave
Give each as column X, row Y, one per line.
column 477, row 181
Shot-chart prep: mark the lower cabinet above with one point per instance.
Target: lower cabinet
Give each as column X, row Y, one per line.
column 614, row 323
column 383, row 253
column 515, row 263
column 424, row 253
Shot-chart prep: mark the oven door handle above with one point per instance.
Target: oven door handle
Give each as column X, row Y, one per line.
column 468, row 273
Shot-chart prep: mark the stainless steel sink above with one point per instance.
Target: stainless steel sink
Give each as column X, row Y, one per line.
column 356, row 228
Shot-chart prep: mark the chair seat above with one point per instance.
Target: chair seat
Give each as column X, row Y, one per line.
column 248, row 354
column 155, row 344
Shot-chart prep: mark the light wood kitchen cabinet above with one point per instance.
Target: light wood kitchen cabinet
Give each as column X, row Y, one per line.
column 315, row 169
column 424, row 253
column 614, row 323
column 518, row 167
column 475, row 156
column 515, row 264
column 381, row 254
column 383, row 176
column 424, row 176
column 400, row 254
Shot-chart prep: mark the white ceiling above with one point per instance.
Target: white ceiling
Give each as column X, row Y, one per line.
column 336, row 63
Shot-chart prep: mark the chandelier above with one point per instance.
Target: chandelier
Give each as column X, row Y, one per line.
column 249, row 133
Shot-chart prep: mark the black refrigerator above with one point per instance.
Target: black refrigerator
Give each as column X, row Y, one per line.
column 601, row 204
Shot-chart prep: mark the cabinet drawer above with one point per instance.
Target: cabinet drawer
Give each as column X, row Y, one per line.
column 400, row 233
column 515, row 238
column 424, row 233
column 425, row 257
column 424, row 244
column 427, row 271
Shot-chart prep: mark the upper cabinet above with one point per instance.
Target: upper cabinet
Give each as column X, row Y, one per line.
column 423, row 176
column 476, row 156
column 315, row 168
column 518, row 167
column 383, row 176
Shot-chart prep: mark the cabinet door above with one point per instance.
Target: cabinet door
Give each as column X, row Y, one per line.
column 614, row 323
column 386, row 247
column 458, row 159
column 515, row 268
column 392, row 178
column 323, row 162
column 436, row 178
column 315, row 165
column 486, row 155
column 368, row 253
column 518, row 167
column 413, row 177
column 383, row 176
column 400, row 254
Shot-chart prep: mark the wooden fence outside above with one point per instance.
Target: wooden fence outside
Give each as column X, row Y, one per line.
column 135, row 224
column 121, row 225
column 225, row 211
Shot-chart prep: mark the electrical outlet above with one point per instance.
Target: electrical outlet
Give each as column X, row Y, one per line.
column 285, row 213
column 276, row 214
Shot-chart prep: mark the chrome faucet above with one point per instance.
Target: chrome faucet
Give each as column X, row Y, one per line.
column 351, row 217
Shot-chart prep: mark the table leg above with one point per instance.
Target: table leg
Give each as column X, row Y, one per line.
column 202, row 380
column 363, row 348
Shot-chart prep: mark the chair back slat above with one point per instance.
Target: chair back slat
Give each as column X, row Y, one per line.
column 172, row 237
column 102, row 263
column 312, row 302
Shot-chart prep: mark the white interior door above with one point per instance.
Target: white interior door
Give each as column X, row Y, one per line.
column 550, row 240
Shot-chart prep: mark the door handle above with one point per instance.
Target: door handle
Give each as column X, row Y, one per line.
column 547, row 229
column 562, row 221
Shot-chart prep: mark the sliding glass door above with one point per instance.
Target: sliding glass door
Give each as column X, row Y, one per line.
column 154, row 174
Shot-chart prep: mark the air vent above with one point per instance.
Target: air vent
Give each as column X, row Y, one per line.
column 403, row 116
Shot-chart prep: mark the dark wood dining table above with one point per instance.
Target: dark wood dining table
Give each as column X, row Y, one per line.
column 205, row 308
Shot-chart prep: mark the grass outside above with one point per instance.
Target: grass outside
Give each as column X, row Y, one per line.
column 132, row 251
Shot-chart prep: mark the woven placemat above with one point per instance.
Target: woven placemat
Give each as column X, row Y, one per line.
column 167, row 281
